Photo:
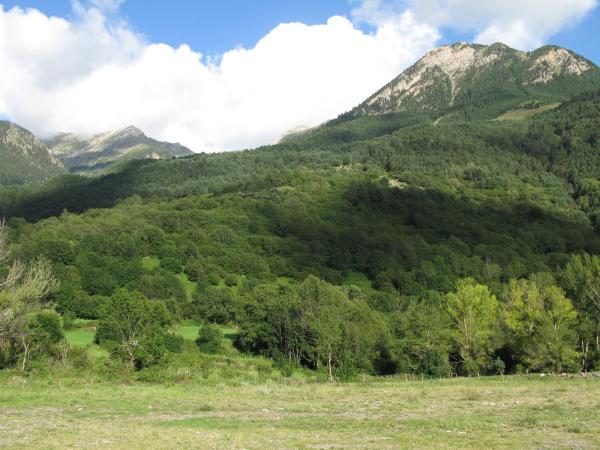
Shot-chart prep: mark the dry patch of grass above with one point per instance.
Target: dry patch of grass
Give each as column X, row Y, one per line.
column 522, row 114
column 512, row 413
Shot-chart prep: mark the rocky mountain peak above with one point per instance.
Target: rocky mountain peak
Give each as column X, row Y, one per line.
column 447, row 76
column 130, row 131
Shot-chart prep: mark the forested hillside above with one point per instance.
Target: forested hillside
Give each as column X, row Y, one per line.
column 362, row 246
column 24, row 158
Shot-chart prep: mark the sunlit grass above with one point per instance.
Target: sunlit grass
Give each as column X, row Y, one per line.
column 515, row 412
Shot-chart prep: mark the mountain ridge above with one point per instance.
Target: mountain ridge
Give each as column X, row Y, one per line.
column 489, row 80
column 101, row 151
column 24, row 158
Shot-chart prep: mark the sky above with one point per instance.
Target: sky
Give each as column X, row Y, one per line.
column 235, row 74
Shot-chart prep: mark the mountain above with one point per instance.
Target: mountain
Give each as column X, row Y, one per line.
column 81, row 154
column 397, row 210
column 24, row 158
column 469, row 81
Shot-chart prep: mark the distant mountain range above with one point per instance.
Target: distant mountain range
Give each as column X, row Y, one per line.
column 460, row 82
column 81, row 154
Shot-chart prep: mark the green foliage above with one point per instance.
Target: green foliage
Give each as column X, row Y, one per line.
column 47, row 328
column 313, row 324
column 501, row 79
column 24, row 159
column 134, row 329
column 474, row 313
column 541, row 322
column 336, row 249
column 210, row 339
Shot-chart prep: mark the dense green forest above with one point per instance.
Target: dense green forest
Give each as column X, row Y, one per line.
column 385, row 244
column 24, row 158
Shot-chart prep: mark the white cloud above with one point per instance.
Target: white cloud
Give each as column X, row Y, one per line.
column 94, row 74
column 524, row 24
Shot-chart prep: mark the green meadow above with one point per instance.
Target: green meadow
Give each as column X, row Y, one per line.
column 511, row 412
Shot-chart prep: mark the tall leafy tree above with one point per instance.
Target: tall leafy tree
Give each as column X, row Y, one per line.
column 581, row 280
column 474, row 312
column 541, row 321
column 134, row 328
column 24, row 290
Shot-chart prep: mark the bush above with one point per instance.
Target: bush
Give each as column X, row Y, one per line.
column 171, row 264
column 210, row 339
column 78, row 358
column 287, row 369
column 231, row 280
column 173, row 343
column 214, row 305
column 213, row 278
column 47, row 328
column 194, row 270
column 435, row 364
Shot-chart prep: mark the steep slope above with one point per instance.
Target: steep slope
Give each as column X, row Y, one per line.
column 81, row 154
column 24, row 158
column 466, row 81
column 548, row 144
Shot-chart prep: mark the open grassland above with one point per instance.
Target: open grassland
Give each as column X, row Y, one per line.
column 517, row 412
column 522, row 114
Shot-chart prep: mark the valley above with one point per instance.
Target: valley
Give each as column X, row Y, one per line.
column 424, row 268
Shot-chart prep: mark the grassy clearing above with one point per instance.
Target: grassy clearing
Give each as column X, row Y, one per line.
column 464, row 413
column 189, row 286
column 522, row 114
column 150, row 263
column 359, row 280
column 190, row 333
column 84, row 337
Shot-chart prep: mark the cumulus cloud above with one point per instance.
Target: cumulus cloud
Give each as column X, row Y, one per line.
column 523, row 24
column 93, row 72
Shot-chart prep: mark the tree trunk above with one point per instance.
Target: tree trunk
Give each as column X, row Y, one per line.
column 25, row 345
column 329, row 366
column 584, row 352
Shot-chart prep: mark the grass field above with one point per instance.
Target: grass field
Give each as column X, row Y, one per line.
column 522, row 114
column 457, row 413
column 83, row 336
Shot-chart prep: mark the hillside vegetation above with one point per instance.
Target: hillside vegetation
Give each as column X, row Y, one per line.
column 24, row 158
column 359, row 247
column 470, row 82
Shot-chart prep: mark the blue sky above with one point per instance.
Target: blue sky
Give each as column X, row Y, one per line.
column 207, row 26
column 213, row 27
column 269, row 66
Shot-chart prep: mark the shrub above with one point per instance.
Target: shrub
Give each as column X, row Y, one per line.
column 171, row 264
column 47, row 328
column 213, row 278
column 78, row 358
column 287, row 369
column 173, row 343
column 231, row 280
column 210, row 339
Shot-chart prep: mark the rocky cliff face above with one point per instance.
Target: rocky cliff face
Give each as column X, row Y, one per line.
column 98, row 152
column 454, row 76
